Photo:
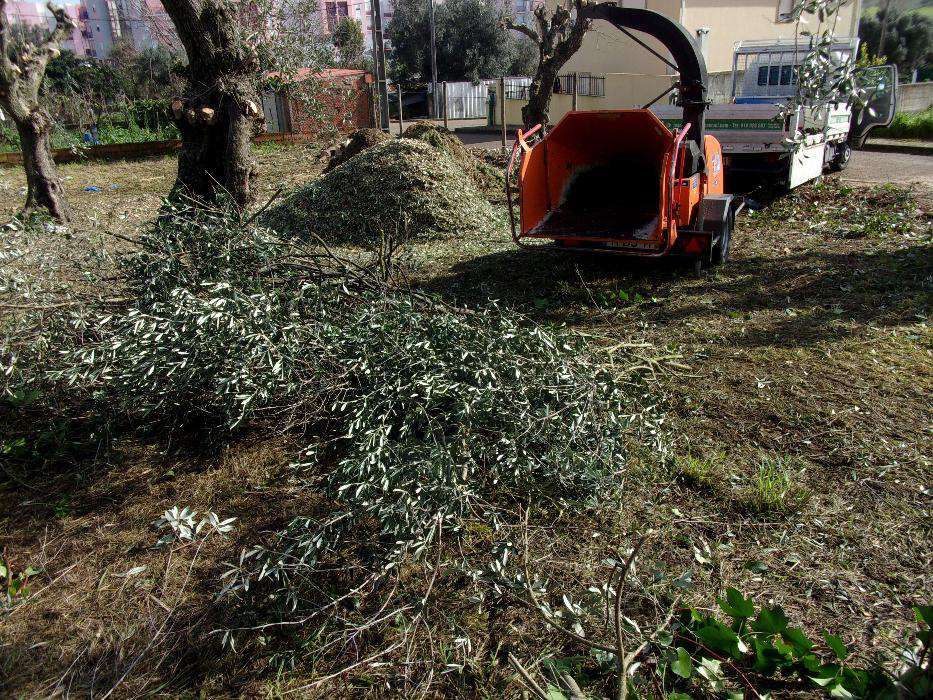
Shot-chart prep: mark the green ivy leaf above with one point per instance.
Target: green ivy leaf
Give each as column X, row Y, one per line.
column 770, row 621
column 554, row 693
column 682, row 665
column 718, row 637
column 924, row 613
column 711, row 670
column 736, row 605
column 798, row 640
column 836, row 644
column 769, row 656
column 678, row 696
column 811, row 663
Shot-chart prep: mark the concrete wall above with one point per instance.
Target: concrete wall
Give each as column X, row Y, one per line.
column 731, row 21
column 914, row 97
column 606, row 50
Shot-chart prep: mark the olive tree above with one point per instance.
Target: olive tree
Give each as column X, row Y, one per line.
column 558, row 33
column 21, row 74
column 234, row 48
column 219, row 111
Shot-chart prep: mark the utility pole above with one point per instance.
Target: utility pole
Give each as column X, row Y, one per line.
column 884, row 27
column 444, row 95
column 434, row 68
column 379, row 59
column 401, row 115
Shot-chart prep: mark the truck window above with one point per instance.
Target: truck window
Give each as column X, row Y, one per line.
column 774, row 75
column 763, row 75
column 786, row 72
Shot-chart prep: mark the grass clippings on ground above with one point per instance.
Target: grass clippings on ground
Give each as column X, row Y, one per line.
column 810, row 347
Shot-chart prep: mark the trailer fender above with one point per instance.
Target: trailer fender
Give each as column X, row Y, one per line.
column 714, row 211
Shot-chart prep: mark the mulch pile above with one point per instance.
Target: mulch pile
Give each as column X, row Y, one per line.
column 358, row 141
column 400, row 185
column 490, row 180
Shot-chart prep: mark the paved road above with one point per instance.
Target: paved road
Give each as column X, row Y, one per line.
column 900, row 168
column 866, row 166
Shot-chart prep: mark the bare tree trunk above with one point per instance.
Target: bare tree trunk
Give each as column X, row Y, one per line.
column 43, row 187
column 540, row 93
column 20, row 79
column 219, row 112
column 559, row 35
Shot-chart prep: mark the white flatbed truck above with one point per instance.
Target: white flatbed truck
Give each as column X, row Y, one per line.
column 795, row 148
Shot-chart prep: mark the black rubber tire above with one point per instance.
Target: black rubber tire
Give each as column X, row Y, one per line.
column 720, row 252
column 841, row 160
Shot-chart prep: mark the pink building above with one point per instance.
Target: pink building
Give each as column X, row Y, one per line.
column 101, row 23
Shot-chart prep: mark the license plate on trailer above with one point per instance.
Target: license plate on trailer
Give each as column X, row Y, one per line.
column 635, row 245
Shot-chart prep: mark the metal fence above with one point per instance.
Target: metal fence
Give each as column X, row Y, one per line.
column 466, row 100
column 587, row 86
column 517, row 88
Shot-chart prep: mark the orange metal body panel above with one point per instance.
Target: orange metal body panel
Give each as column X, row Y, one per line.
column 585, row 139
column 715, row 174
column 582, row 140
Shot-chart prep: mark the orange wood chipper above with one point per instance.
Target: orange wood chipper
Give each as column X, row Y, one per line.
column 620, row 181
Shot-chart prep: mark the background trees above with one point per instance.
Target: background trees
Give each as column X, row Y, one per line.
column 348, row 40
column 908, row 40
column 472, row 42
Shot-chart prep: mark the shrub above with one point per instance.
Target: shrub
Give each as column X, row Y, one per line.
column 909, row 125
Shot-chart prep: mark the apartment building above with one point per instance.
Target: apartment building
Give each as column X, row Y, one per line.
column 99, row 24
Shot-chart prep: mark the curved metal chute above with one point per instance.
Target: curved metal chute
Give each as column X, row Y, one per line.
column 683, row 49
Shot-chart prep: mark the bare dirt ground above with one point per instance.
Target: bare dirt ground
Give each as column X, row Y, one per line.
column 810, row 349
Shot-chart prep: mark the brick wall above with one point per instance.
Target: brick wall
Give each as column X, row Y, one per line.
column 345, row 104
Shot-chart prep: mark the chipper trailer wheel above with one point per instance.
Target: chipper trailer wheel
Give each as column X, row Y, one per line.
column 720, row 252
column 720, row 244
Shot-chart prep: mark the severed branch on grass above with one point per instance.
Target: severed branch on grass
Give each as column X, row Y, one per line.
column 625, row 657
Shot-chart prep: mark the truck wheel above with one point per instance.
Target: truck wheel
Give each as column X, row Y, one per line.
column 843, row 155
column 720, row 252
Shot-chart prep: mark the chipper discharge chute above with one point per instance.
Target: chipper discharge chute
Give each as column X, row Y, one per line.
column 619, row 180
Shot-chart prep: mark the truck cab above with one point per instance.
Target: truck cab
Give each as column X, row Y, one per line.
column 757, row 134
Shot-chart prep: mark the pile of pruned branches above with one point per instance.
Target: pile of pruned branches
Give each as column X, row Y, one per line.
column 427, row 417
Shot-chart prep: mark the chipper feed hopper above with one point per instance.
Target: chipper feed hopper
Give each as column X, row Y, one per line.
column 620, row 181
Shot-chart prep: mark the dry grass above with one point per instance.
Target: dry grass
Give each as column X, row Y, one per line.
column 808, row 350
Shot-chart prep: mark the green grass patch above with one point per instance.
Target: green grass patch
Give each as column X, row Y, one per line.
column 909, row 125
column 701, row 471
column 777, row 486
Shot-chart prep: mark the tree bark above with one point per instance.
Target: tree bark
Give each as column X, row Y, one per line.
column 20, row 78
column 218, row 113
column 559, row 35
column 44, row 188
